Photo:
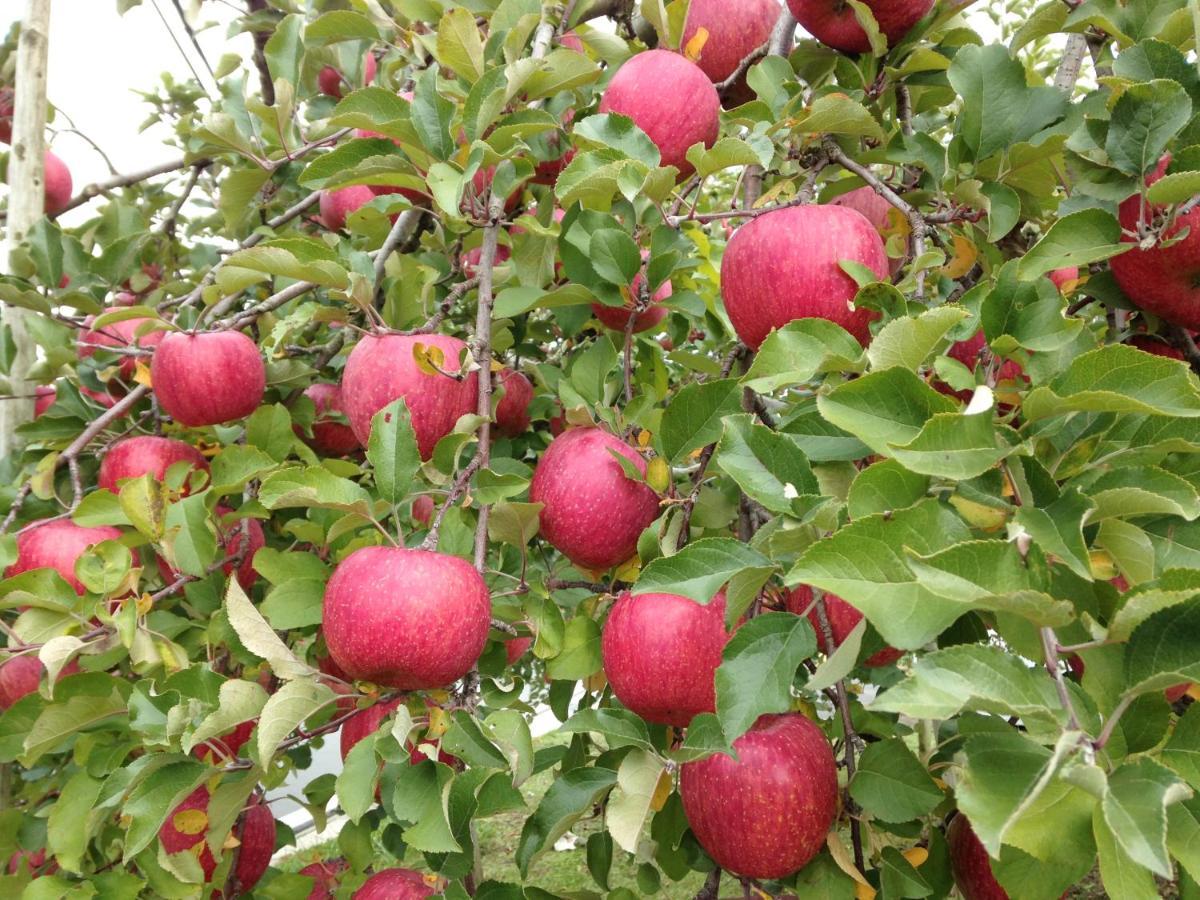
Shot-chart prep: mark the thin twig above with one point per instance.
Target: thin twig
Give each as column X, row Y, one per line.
column 1050, row 650
column 405, row 224
column 92, row 191
column 481, row 349
column 456, row 491
column 1111, row 724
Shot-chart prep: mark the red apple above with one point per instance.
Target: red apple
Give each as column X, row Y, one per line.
column 783, row 266
column 877, row 211
column 481, row 183
column 970, row 354
column 617, row 317
column 512, row 412
column 20, row 675
column 207, row 379
column 329, row 436
column 187, row 828
column 31, row 860
column 471, row 259
column 1161, row 280
column 661, row 653
column 154, row 275
column 231, row 536
column 408, row 619
column 1178, row 692
column 669, row 98
column 422, row 509
column 57, row 544
column 330, row 81
column 592, row 512
column 364, row 724
column 842, row 619
column 768, row 813
column 58, row 184
column 970, row 863
column 736, row 28
column 6, row 112
column 325, row 874
column 220, row 750
column 134, row 457
column 570, row 40
column 336, row 206
column 119, row 335
column 833, row 23
column 1155, row 345
column 515, row 648
column 395, row 884
column 1064, row 276
column 383, row 368
column 44, row 396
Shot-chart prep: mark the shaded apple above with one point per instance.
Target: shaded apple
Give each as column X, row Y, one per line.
column 134, row 457
column 422, row 509
column 325, row 874
column 208, row 378
column 469, row 261
column 669, row 98
column 570, row 40
column 225, row 747
column 833, row 23
column 736, row 28
column 44, row 396
column 1162, row 280
column 21, row 675
column 58, row 184
column 481, row 184
column 515, row 648
column 121, row 335
column 332, row 83
column 766, row 814
column 408, row 619
column 1177, row 692
column 30, row 860
column 383, row 368
column 512, row 412
column 234, row 538
column 57, row 544
column 593, row 513
column 842, row 619
column 329, row 436
column 783, row 266
column 617, row 317
column 970, row 354
column 1156, row 345
column 336, row 206
column 875, row 210
column 661, row 653
column 186, row 829
column 1064, row 276
column 7, row 95
column 369, row 721
column 970, row 863
column 396, row 884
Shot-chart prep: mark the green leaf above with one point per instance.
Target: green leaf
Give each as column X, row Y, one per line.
column 569, row 797
column 559, row 71
column 269, row 428
column 432, row 113
column 236, row 465
column 908, row 342
column 801, row 350
column 286, row 709
column 885, row 486
column 956, row 445
column 155, row 797
column 340, row 25
column 1135, row 808
column 1143, row 491
column 883, row 408
column 459, row 46
column 1161, row 652
column 580, row 654
column 281, row 261
column 239, row 702
column 629, row 803
column 467, row 740
column 999, row 109
column 258, row 637
column 143, row 500
column 1143, row 121
column 1057, row 528
column 1122, row 877
column 619, row 727
column 313, row 486
column 892, row 785
column 757, row 668
column 295, row 603
column 514, row 523
column 700, row 569
column 59, row 721
column 768, row 466
column 899, row 878
column 1004, row 209
column 71, row 821
column 193, row 545
column 1077, row 239
column 285, row 48
column 693, row 418
column 1182, row 751
column 724, row 154
column 1118, row 378
column 1183, row 835
column 422, row 796
column 392, row 451
column 1177, row 187
column 838, row 114
column 618, row 133
column 615, row 256
column 356, row 781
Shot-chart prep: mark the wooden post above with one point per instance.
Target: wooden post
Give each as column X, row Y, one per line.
column 27, row 189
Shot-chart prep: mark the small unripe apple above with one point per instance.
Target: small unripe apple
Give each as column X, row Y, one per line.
column 408, row 619
column 661, row 653
column 134, row 457
column 669, row 98
column 512, row 412
column 329, row 436
column 58, row 184
column 57, row 544
column 187, row 827
column 336, row 206
column 842, row 619
column 736, row 28
column 592, row 512
column 383, row 368
column 970, row 863
column 396, row 884
column 785, row 775
column 331, row 82
column 784, row 266
column 1156, row 345
column 208, row 378
column 120, row 335
column 833, row 23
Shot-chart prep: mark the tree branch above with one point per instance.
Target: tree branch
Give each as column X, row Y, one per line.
column 1072, row 62
column 481, row 348
column 1050, row 650
column 783, row 38
column 122, row 181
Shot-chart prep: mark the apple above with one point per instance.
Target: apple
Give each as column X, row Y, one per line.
column 187, row 829
column 515, row 648
column 1178, row 692
column 970, row 863
column 231, row 537
column 367, row 723
column 661, row 653
column 470, row 260
column 1161, row 280
column 325, row 874
column 119, row 335
column 1064, row 276
column 32, row 860
column 44, row 396
column 833, row 23
column 408, row 619
column 783, row 266
column 21, row 675
column 422, row 509
column 336, row 206
column 736, row 28
column 209, row 378
column 970, row 354
column 330, row 81
column 396, row 884
column 617, row 317
column 669, row 98
column 218, row 750
column 512, row 412
column 7, row 94
column 329, row 436
column 134, row 457
column 57, row 544
column 481, row 184
column 383, row 368
column 593, row 513
column 766, row 814
column 842, row 619
column 58, row 184
column 570, row 40
column 154, row 277
column 1155, row 345
column 877, row 211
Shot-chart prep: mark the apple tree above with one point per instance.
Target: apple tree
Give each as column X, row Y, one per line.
column 794, row 404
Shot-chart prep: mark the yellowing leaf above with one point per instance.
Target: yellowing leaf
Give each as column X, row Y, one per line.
column 845, row 862
column 439, row 721
column 695, row 46
column 662, row 791
column 1101, row 565
column 1194, row 691
column 864, row 892
column 141, row 374
column 962, row 258
column 658, row 474
column 915, row 856
column 430, row 360
column 596, row 682
column 643, row 438
column 897, row 224
column 628, row 570
column 190, row 821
